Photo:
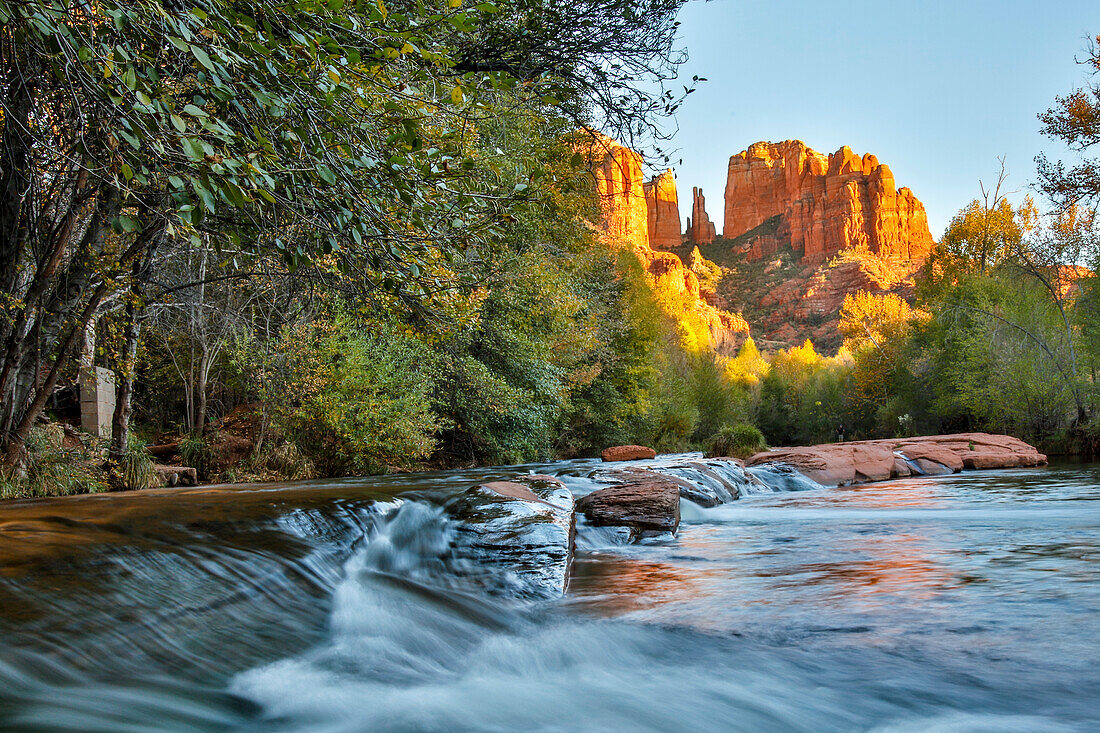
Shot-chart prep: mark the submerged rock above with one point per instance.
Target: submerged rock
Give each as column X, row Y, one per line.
column 519, row 532
column 649, row 504
column 627, row 453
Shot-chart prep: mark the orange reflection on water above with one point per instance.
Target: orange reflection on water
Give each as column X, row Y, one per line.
column 886, row 495
column 874, row 560
column 869, row 568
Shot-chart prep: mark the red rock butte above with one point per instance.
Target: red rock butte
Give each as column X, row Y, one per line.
column 664, row 211
column 786, row 193
column 626, row 213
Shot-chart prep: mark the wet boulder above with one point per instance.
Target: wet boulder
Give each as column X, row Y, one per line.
column 516, row 537
column 627, row 453
column 932, row 458
column 648, row 503
column 929, row 467
column 707, row 483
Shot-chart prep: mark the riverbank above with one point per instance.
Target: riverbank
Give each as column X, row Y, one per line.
column 75, row 465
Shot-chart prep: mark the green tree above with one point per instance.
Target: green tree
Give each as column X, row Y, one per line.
column 1075, row 121
column 984, row 232
column 342, row 138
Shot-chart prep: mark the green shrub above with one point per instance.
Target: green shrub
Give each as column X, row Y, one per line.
column 54, row 470
column 353, row 399
column 286, row 461
column 135, row 470
column 740, row 441
column 196, row 453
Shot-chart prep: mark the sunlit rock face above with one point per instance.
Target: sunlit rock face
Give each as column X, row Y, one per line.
column 625, row 223
column 619, row 184
column 779, row 193
column 700, row 228
column 663, row 212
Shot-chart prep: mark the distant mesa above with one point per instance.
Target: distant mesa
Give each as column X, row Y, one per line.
column 788, row 194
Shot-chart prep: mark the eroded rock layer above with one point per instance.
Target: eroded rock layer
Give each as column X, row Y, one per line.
column 625, row 223
column 841, row 464
column 663, row 212
column 700, row 228
column 786, row 193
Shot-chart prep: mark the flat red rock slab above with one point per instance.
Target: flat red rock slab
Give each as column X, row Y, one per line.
column 838, row 464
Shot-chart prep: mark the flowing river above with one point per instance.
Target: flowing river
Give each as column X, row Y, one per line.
column 968, row 602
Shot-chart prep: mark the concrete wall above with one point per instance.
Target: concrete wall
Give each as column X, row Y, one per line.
column 97, row 400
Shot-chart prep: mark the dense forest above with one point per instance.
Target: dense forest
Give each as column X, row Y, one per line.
column 324, row 237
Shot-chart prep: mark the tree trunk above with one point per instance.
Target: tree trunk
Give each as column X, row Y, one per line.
column 135, row 307
column 120, row 420
column 200, row 391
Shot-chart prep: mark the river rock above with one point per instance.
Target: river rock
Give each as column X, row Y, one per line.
column 649, row 504
column 708, row 482
column 627, row 453
column 840, row 464
column 519, row 533
column 177, row 475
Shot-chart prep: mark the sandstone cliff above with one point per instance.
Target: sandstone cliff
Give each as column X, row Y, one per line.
column 663, row 212
column 625, row 223
column 618, row 174
column 786, row 193
column 700, row 228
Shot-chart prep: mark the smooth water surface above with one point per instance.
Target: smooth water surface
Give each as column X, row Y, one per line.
column 959, row 603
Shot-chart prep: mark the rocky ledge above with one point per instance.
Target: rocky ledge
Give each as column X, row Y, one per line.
column 841, row 464
column 520, row 532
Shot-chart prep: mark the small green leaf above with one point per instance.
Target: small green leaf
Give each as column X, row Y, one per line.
column 178, row 123
column 193, row 148
column 203, row 59
column 195, row 111
column 326, row 174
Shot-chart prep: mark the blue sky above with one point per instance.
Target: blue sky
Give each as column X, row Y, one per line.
column 936, row 90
